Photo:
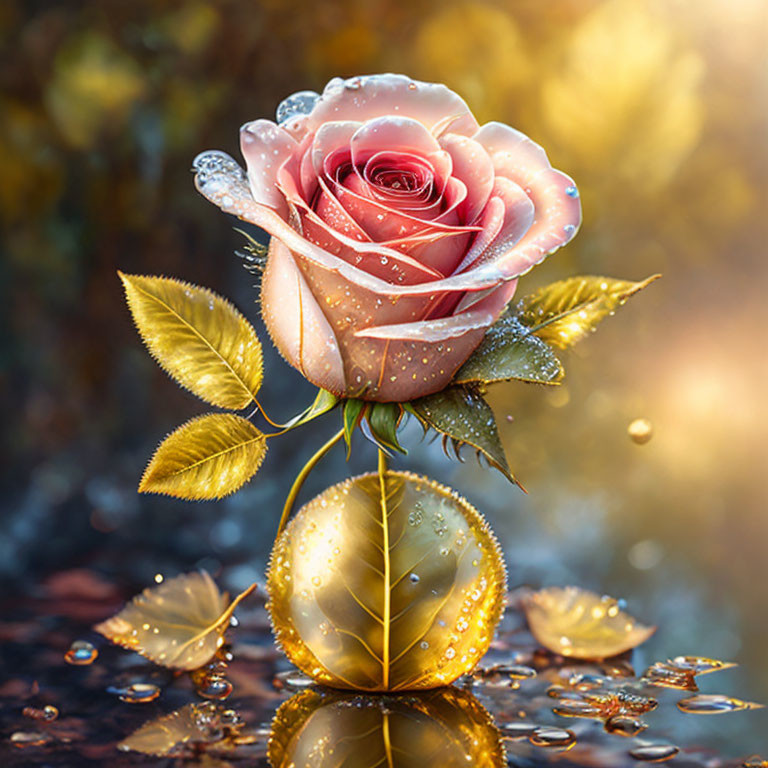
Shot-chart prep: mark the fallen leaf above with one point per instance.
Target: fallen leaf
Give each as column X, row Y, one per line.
column 179, row 624
column 580, row 624
column 192, row 723
column 208, row 457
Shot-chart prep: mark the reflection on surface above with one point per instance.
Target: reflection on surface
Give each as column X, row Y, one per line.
column 446, row 728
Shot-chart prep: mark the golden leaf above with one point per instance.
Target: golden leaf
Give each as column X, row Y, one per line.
column 385, row 583
column 447, row 727
column 179, row 624
column 564, row 312
column 198, row 338
column 190, row 724
column 206, row 458
column 582, row 625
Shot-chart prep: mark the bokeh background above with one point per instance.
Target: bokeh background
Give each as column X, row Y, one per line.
column 659, row 112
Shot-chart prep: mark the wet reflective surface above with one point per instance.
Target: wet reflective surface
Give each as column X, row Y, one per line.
column 523, row 707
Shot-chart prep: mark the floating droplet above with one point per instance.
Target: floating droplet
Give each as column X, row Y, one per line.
column 558, row 738
column 654, row 753
column 620, row 725
column 81, row 653
column 47, row 713
column 714, row 704
column 640, row 431
column 137, row 693
column 22, row 739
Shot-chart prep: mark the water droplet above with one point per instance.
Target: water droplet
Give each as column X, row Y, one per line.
column 755, row 761
column 654, row 753
column 81, row 653
column 518, row 731
column 159, row 578
column 48, row 713
column 296, row 104
column 577, row 708
column 520, row 672
column 700, row 665
column 292, row 680
column 415, row 518
column 423, row 645
column 571, row 191
column 569, row 229
column 136, row 693
column 414, row 578
column 621, row 725
column 714, row 704
column 546, row 736
column 640, row 431
column 22, row 739
column 213, row 687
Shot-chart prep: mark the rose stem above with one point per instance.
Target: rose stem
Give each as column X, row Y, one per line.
column 387, row 566
column 302, row 476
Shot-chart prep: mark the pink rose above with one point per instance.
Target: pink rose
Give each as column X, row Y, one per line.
column 399, row 228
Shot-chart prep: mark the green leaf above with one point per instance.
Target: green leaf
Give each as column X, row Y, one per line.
column 353, row 412
column 562, row 313
column 254, row 253
column 462, row 416
column 510, row 351
column 385, row 419
column 324, row 402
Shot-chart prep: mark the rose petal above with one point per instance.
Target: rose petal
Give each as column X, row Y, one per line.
column 296, row 323
column 226, row 189
column 342, row 238
column 524, row 153
column 516, row 217
column 394, row 134
column 472, row 165
column 364, row 98
column 558, row 216
column 331, row 138
column 265, row 147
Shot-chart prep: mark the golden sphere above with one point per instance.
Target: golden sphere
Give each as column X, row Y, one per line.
column 448, row 727
column 387, row 583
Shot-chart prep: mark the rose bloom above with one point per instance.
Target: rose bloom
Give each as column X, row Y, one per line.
column 399, row 228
